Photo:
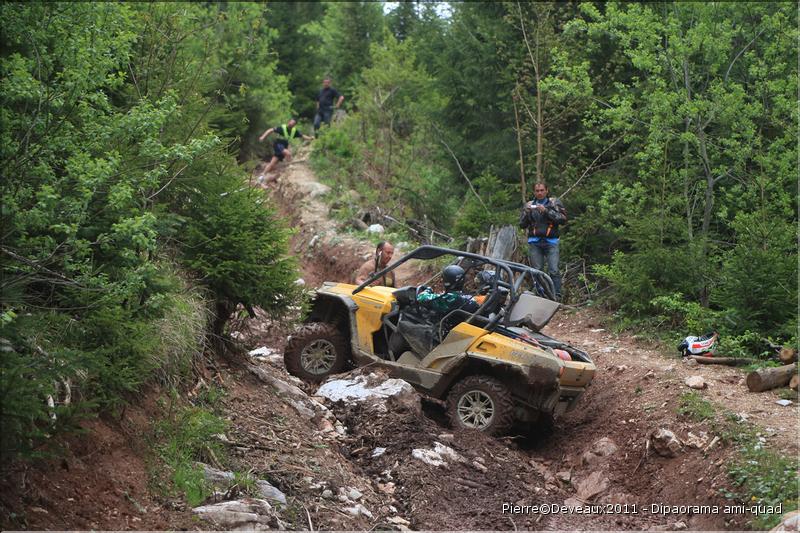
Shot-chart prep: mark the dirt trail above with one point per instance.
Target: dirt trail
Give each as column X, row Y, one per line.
column 594, row 455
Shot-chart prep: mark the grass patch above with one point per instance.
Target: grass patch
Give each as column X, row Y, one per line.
column 762, row 477
column 695, row 407
column 184, row 439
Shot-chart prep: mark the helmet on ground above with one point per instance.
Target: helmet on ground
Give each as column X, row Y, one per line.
column 453, row 278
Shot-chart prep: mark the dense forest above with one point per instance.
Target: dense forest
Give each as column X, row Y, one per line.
column 669, row 130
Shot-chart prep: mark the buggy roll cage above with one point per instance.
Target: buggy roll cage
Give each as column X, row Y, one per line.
column 514, row 273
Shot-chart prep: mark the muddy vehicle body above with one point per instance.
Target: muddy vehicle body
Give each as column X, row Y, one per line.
column 491, row 363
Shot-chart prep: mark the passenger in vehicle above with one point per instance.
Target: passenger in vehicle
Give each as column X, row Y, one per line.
column 453, row 277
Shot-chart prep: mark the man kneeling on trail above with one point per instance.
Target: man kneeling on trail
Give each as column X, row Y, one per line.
column 286, row 132
column 383, row 254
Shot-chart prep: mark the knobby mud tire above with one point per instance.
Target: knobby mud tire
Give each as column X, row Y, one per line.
column 503, row 416
column 304, row 337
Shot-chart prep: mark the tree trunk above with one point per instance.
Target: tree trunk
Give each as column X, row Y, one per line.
column 770, row 378
column 504, row 244
column 793, row 383
column 222, row 313
column 523, row 185
column 539, row 128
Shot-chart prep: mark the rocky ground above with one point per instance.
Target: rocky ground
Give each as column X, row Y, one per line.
column 381, row 457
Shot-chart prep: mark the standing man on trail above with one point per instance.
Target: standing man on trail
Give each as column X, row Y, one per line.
column 280, row 147
column 383, row 254
column 325, row 104
column 542, row 217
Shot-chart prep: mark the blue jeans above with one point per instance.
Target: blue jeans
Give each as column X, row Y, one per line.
column 538, row 252
column 323, row 115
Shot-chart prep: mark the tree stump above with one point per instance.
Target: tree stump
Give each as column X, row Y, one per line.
column 794, row 382
column 787, row 355
column 770, row 378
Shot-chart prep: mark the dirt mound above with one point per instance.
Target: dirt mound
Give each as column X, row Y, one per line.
column 101, row 481
column 468, row 492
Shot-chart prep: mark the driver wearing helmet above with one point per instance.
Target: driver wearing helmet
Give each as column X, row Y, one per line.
column 453, row 277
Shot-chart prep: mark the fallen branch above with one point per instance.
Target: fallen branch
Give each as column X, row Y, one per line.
column 468, row 483
column 464, row 175
column 728, row 361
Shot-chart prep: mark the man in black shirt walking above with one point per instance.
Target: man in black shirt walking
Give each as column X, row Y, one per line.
column 325, row 105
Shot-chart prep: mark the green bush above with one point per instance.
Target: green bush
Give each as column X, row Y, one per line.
column 758, row 280
column 495, row 207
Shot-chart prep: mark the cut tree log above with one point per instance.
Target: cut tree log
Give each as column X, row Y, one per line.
column 770, row 378
column 729, row 361
column 787, row 355
column 794, row 382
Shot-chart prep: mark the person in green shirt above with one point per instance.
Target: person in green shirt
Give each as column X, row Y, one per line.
column 280, row 148
column 453, row 277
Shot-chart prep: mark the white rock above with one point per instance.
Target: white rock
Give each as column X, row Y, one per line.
column 354, row 494
column 696, row 441
column 216, row 477
column 269, row 492
column 695, row 382
column 398, row 521
column 359, row 390
column 300, row 281
column 564, row 476
column 438, row 456
column 784, row 403
column 264, row 350
column 246, row 514
column 596, row 483
column 375, row 228
column 599, row 450
column 597, row 330
column 679, row 526
column 316, row 189
column 358, row 510
column 789, row 522
column 665, row 443
column 377, row 452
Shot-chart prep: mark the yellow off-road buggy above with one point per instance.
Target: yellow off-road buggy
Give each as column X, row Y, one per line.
column 491, row 363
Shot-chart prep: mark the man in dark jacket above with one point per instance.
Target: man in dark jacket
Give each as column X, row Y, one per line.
column 325, row 104
column 542, row 217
